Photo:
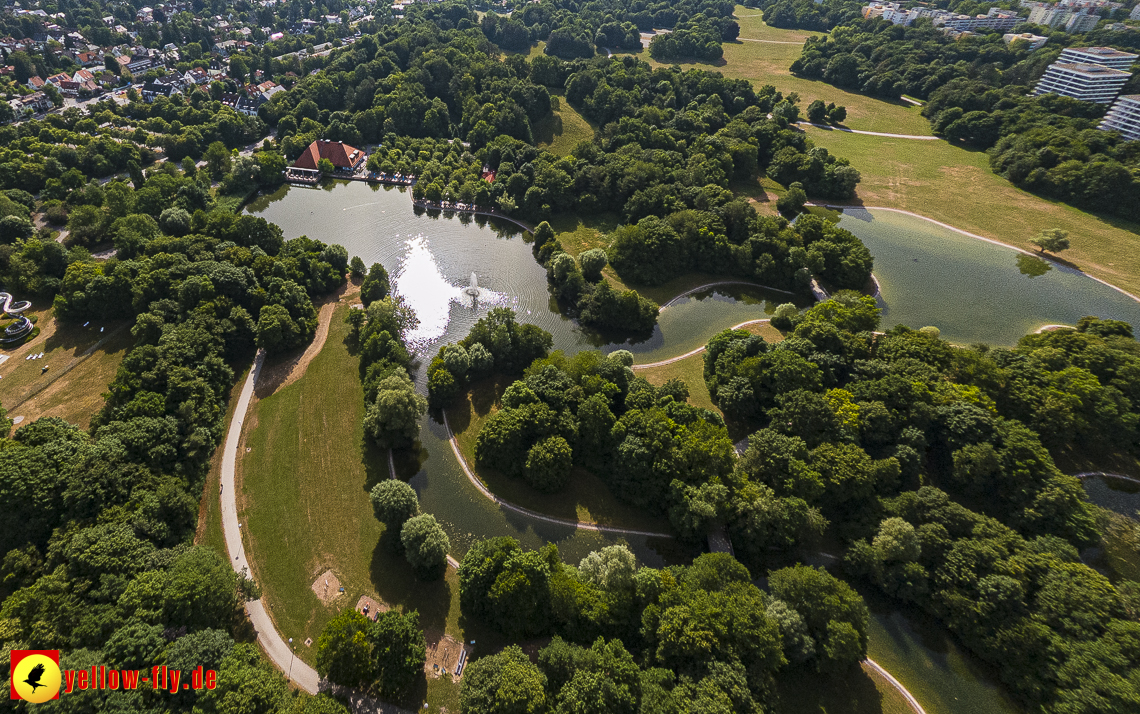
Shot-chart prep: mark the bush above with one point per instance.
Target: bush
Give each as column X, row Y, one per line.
column 592, row 262
column 175, row 221
column 792, row 202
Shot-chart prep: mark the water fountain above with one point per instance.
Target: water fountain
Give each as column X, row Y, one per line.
column 19, row 329
column 473, row 288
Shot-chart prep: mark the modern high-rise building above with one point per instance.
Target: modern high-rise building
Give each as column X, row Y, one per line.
column 1104, row 56
column 1086, row 82
column 1124, row 116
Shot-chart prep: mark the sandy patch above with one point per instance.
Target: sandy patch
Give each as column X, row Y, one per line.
column 370, row 607
column 327, row 587
column 444, row 655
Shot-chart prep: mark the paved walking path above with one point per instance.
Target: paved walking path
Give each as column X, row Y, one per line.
column 275, row 647
column 916, row 137
column 897, row 685
column 718, row 283
column 697, row 351
column 1098, row 474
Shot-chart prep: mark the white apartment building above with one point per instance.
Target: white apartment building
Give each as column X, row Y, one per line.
column 1036, row 42
column 1081, row 22
column 1124, row 116
column 1086, row 82
column 1135, row 13
column 1104, row 56
column 997, row 19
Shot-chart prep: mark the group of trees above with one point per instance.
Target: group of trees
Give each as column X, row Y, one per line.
column 384, row 655
column 392, row 404
column 572, row 30
column 978, row 90
column 852, row 419
column 418, row 534
column 808, row 14
column 734, row 240
column 1048, row 144
column 630, row 639
column 496, row 343
column 96, row 526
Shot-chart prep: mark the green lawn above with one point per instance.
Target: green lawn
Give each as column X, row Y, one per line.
column 81, row 362
column 304, row 508
column 564, row 129
column 586, row 499
column 767, row 63
column 954, row 185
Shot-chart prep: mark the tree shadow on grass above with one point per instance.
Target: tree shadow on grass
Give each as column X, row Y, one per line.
column 396, row 584
column 802, row 691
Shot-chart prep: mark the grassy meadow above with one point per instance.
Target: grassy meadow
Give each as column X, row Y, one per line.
column 81, row 363
column 304, row 508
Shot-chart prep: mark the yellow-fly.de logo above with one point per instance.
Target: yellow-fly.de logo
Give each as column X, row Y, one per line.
column 35, row 675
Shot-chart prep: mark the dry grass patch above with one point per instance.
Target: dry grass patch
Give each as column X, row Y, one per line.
column 81, row 363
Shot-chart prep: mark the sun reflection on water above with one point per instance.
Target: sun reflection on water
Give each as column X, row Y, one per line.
column 429, row 292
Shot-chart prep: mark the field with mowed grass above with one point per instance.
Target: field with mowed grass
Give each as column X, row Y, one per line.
column 763, row 54
column 563, row 130
column 80, row 361
column 955, row 185
column 305, row 471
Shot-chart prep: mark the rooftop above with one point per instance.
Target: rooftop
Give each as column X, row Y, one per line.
column 1092, row 70
column 1106, row 52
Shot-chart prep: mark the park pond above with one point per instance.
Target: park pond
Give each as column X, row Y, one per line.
column 972, row 290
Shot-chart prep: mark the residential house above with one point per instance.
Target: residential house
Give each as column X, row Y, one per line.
column 35, row 83
column 88, row 59
column 242, row 105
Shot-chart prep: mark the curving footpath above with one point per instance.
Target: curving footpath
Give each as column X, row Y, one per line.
column 897, row 685
column 718, row 283
column 526, row 511
column 275, row 647
column 697, row 351
column 1104, row 474
column 915, row 137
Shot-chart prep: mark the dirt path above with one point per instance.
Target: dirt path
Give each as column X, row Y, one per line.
column 295, row 369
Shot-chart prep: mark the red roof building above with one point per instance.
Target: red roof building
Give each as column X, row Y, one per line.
column 342, row 156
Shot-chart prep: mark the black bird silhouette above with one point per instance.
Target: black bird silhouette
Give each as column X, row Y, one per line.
column 34, row 677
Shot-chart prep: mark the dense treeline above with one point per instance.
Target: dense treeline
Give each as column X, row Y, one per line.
column 637, row 639
column 977, row 89
column 96, row 527
column 392, row 405
column 573, row 30
column 589, row 412
column 808, row 14
column 852, row 419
